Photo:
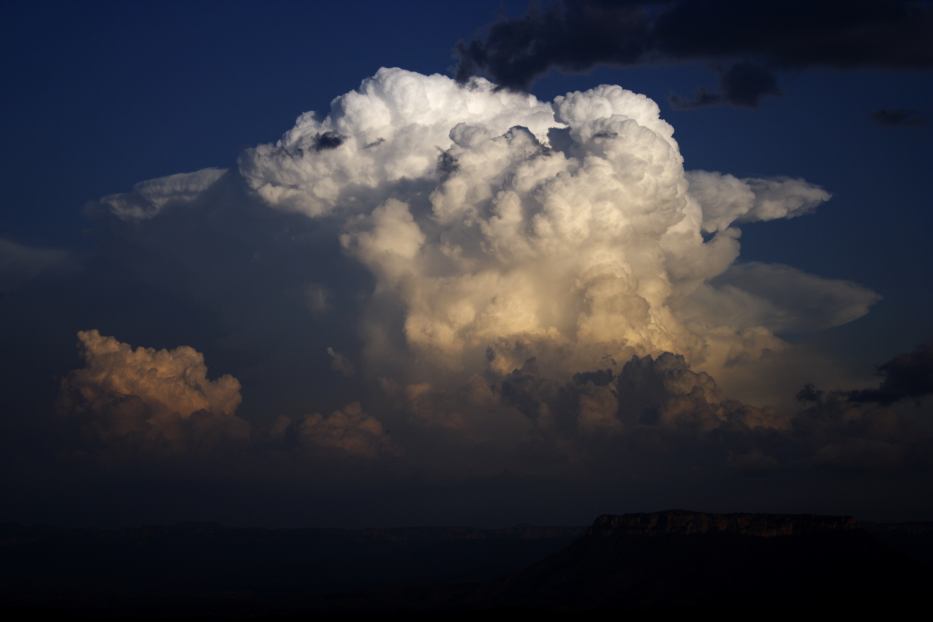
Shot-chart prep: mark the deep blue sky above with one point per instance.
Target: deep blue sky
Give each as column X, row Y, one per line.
column 102, row 95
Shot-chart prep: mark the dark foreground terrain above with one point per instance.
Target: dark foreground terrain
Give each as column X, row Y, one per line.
column 663, row 559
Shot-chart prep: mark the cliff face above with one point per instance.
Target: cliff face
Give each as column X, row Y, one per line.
column 686, row 523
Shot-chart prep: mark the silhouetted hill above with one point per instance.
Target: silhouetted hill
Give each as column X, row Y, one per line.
column 915, row 540
column 201, row 568
column 681, row 558
column 662, row 559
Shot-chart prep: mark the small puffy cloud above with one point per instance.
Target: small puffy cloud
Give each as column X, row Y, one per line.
column 20, row 263
column 348, row 430
column 145, row 396
column 148, row 198
column 725, row 199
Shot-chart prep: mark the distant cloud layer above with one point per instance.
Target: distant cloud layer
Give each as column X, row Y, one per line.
column 753, row 39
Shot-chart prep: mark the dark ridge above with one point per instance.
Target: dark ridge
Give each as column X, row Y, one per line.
column 680, row 558
column 198, row 569
column 687, row 523
column 661, row 559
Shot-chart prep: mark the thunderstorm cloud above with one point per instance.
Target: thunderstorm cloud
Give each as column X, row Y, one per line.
column 442, row 281
column 506, row 227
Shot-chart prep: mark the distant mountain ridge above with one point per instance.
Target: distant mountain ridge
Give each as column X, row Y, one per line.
column 687, row 523
column 680, row 558
column 671, row 558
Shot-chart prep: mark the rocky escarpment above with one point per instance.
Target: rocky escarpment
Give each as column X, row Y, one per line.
column 686, row 523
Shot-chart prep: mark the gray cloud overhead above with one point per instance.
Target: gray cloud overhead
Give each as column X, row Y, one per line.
column 753, row 40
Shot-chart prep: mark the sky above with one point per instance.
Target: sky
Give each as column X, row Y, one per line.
column 521, row 264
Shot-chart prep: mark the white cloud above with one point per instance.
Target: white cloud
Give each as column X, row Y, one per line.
column 150, row 197
column 725, row 199
column 789, row 300
column 567, row 230
column 391, row 129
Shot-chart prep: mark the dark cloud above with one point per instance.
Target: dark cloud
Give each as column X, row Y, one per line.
column 743, row 84
column 576, row 36
column 887, row 428
column 702, row 99
column 572, row 36
column 327, row 140
column 861, row 33
column 899, row 117
column 656, row 413
column 656, row 399
column 908, row 375
column 20, row 263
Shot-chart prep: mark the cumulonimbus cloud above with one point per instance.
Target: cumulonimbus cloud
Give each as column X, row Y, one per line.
column 506, row 227
column 542, row 275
